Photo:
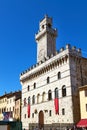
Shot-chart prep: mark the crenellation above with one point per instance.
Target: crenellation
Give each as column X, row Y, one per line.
column 68, row 46
column 37, row 64
column 52, row 55
column 30, row 67
column 74, row 48
column 79, row 50
column 55, row 53
column 40, row 62
column 62, row 49
column 53, row 64
column 43, row 60
column 75, row 51
column 46, row 58
column 26, row 71
column 23, row 72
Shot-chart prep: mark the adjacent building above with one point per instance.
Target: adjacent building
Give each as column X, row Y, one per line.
column 50, row 95
column 8, row 105
column 83, row 106
column 3, row 104
column 17, row 115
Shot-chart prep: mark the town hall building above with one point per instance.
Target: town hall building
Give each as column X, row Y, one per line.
column 50, row 95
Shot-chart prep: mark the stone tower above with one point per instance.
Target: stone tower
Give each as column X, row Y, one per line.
column 46, row 39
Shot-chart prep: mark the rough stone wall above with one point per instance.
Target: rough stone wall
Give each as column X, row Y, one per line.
column 84, row 71
column 71, row 77
column 42, row 86
column 78, row 78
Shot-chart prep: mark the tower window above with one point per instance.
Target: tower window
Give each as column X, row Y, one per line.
column 42, row 26
column 43, row 97
column 28, row 88
column 33, row 99
column 49, row 95
column 38, row 98
column 34, row 85
column 49, row 25
column 48, row 80
column 64, row 91
column 28, row 100
column 50, row 113
column 63, row 111
column 56, row 93
column 59, row 75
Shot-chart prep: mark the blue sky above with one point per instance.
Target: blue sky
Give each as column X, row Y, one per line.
column 19, row 21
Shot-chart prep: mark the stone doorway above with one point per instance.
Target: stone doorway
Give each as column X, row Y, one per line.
column 41, row 120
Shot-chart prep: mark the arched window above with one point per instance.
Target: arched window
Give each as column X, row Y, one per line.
column 49, row 25
column 59, row 75
column 50, row 112
column 33, row 99
column 24, row 101
column 56, row 93
column 28, row 88
column 48, row 80
column 63, row 91
column 28, row 100
column 63, row 111
column 49, row 95
column 34, row 85
column 42, row 26
column 38, row 98
column 43, row 97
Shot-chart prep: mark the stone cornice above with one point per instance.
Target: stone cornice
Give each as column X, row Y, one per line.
column 42, row 70
column 83, row 88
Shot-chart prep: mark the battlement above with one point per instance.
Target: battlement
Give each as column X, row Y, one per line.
column 70, row 49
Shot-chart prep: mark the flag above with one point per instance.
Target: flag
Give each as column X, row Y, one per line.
column 56, row 104
column 6, row 116
column 28, row 110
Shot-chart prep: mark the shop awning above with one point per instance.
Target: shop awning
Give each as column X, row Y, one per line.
column 82, row 123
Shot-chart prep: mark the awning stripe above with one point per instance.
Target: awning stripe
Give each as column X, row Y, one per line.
column 82, row 123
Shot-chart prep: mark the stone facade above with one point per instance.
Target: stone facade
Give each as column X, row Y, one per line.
column 17, row 115
column 83, row 101
column 7, row 103
column 47, row 35
column 55, row 71
column 3, row 104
